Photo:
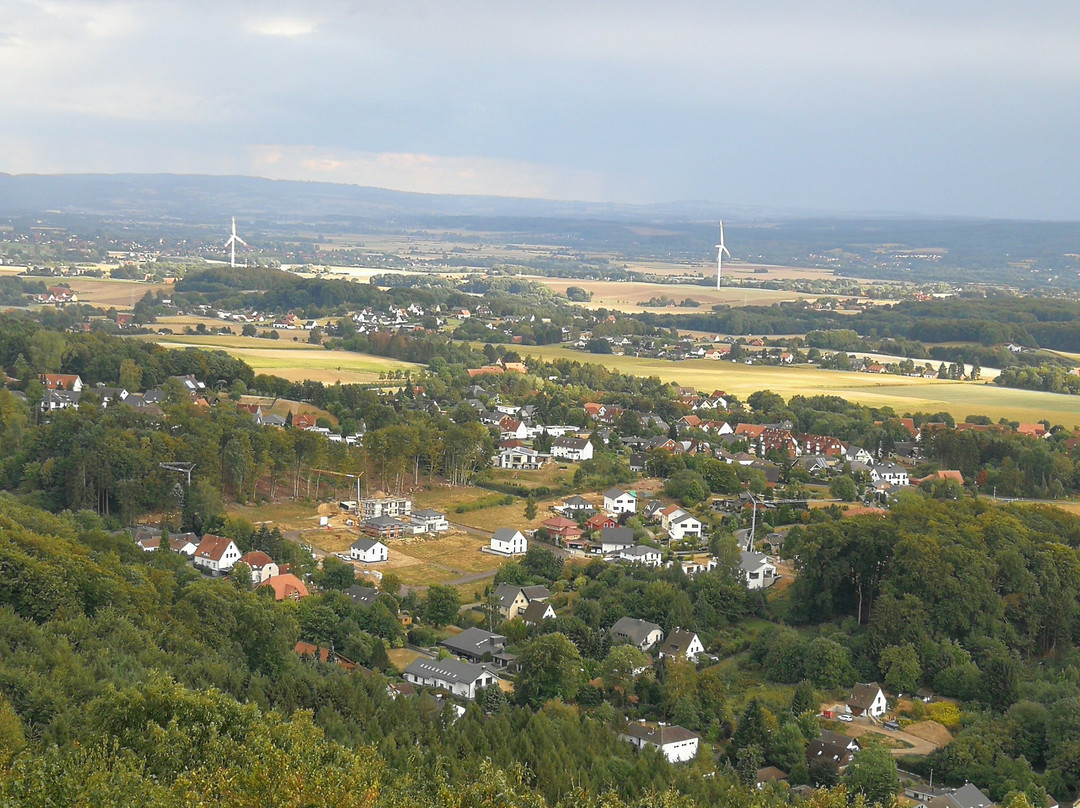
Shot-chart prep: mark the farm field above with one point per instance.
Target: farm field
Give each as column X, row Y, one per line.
column 488, row 520
column 295, row 361
column 107, row 292
column 625, row 296
column 899, row 392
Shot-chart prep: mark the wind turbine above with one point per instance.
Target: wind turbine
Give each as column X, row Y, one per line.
column 720, row 250
column 235, row 239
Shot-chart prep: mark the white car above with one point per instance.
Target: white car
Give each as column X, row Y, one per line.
column 847, row 719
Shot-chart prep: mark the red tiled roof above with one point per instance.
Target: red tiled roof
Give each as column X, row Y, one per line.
column 212, row 547
column 286, row 586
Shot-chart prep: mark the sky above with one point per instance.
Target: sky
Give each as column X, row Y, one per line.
column 923, row 106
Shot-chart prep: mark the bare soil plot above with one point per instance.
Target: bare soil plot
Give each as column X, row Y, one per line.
column 930, row 731
column 456, row 549
column 107, row 292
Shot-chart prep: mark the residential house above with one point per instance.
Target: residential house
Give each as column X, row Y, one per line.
column 324, row 655
column 561, row 528
column 640, row 633
column 536, row 612
column 682, row 644
column 262, row 566
column 382, row 505
column 62, row 381
column 518, row 456
column 641, row 554
column 572, row 449
column 512, row 429
column 613, row 539
column 363, row 595
column 386, row 527
column 835, row 751
column 599, row 521
column 618, row 501
column 452, row 675
column 967, row 796
column 507, row 541
column 853, row 452
column 575, row 505
column 638, row 461
column 474, row 644
column 867, row 699
column 369, row 551
column 675, row 743
column 682, row 525
column 427, row 520
column 757, row 570
column 286, row 587
column 769, row 774
column 891, row 473
column 216, row 554
column 54, row 400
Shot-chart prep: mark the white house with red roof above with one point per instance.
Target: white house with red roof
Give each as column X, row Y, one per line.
column 216, row 554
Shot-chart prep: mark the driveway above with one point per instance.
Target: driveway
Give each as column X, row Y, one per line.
column 919, row 746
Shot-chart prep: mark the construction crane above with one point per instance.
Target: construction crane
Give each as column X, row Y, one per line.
column 179, row 468
column 351, row 476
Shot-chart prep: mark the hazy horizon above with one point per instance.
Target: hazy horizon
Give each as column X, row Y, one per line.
column 965, row 109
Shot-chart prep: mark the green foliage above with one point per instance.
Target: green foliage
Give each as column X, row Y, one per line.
column 549, row 668
column 873, row 774
column 441, row 605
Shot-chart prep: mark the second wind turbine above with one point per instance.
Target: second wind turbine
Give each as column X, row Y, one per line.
column 235, row 239
column 720, row 250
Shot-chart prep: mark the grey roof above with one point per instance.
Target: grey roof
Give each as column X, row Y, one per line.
column 837, row 754
column 504, row 534
column 384, row 521
column 633, row 629
column 969, row 796
column 863, row 695
column 452, row 670
column 615, row 493
column 639, row 551
column 428, row 513
column 535, row 612
column 536, row 592
column 678, row 642
column 659, row 736
column 475, row 642
column 749, row 562
column 683, row 518
column 617, row 535
column 507, row 594
column 363, row 545
column 577, row 501
column 364, row 595
column 828, row 736
column 566, row 442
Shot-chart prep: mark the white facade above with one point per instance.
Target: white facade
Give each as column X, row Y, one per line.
column 518, row 457
column 891, row 473
column 385, row 506
column 676, row 744
column 429, row 521
column 216, row 555
column 619, row 501
column 680, row 527
column 573, row 449
column 369, row 552
column 507, row 541
column 757, row 570
column 459, row 678
column 649, row 556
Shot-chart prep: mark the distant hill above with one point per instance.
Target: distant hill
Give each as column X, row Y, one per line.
column 195, row 197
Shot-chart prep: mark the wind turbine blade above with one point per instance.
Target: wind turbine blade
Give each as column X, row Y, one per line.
column 726, row 250
column 240, row 240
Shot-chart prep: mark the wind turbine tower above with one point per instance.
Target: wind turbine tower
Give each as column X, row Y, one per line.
column 235, row 239
column 720, row 250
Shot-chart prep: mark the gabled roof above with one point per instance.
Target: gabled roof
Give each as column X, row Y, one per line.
column 505, row 534
column 659, row 736
column 475, row 642
column 212, row 547
column 256, row 559
column 286, row 587
column 751, row 562
column 615, row 493
column 863, row 694
column 364, row 595
column 536, row 611
column 507, row 594
column 617, row 535
column 567, row 442
column 450, row 670
column 536, row 592
column 678, row 642
column 634, row 629
column 364, row 545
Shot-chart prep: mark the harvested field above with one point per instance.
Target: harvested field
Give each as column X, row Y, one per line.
column 107, row 292
column 456, row 550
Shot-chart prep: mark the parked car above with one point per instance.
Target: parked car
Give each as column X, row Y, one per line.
column 893, row 725
column 847, row 719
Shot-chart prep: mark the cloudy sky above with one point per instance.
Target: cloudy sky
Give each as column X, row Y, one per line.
column 924, row 106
